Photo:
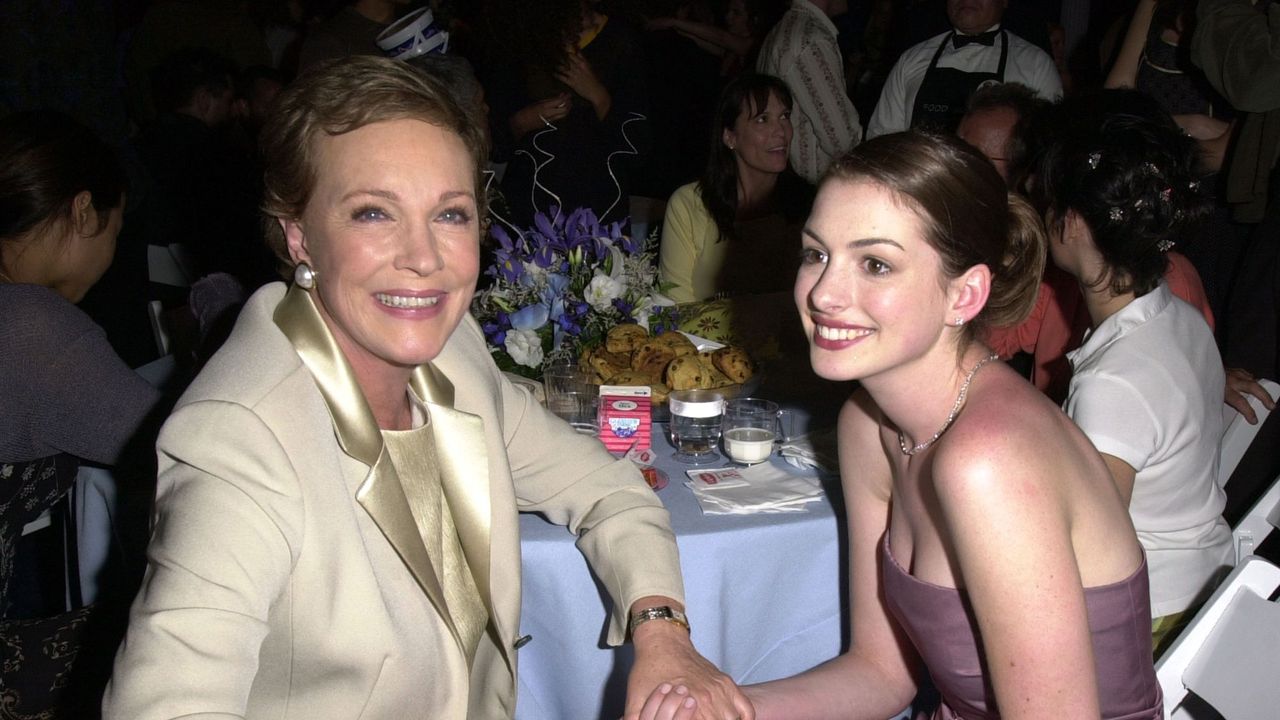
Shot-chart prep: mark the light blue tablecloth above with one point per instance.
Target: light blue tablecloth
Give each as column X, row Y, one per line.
column 763, row 595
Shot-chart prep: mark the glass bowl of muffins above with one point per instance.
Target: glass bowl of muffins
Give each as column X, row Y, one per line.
column 670, row 361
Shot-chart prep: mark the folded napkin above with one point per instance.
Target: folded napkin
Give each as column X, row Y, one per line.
column 814, row 450
column 762, row 488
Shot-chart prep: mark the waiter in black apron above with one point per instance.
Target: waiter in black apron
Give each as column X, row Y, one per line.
column 944, row 92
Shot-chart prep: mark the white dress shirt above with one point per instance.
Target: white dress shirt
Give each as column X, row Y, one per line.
column 1027, row 64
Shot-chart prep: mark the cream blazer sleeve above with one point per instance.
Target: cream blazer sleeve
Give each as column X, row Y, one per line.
column 228, row 531
column 622, row 527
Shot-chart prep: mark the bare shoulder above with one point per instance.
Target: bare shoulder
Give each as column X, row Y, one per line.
column 1005, row 443
column 859, row 433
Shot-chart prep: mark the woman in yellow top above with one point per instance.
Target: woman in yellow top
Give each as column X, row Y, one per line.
column 737, row 230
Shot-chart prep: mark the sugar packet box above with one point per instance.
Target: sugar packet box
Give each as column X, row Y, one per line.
column 625, row 420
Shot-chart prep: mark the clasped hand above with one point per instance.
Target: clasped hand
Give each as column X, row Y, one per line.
column 671, row 681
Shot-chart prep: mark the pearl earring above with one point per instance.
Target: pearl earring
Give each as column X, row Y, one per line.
column 959, row 321
column 304, row 277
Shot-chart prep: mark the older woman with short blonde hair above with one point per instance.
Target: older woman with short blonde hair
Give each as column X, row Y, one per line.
column 336, row 526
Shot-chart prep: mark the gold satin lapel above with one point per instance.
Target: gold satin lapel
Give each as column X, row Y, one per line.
column 353, row 422
column 464, row 476
column 382, row 494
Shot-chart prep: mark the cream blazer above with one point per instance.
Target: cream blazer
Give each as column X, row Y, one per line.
column 281, row 585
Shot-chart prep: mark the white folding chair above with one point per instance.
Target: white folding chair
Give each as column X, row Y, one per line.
column 1258, row 523
column 170, row 265
column 1237, row 433
column 159, row 326
column 1227, row 656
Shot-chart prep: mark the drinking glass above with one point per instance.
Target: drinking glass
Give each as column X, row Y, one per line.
column 572, row 396
column 695, row 425
column 751, row 427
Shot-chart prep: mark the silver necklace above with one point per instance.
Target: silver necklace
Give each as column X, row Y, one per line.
column 955, row 410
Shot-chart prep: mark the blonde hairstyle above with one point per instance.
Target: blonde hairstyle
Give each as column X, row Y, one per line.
column 969, row 216
column 338, row 97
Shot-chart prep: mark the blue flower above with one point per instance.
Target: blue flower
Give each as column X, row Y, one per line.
column 530, row 317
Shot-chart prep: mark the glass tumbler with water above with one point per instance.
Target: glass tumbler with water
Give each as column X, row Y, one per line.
column 695, row 425
column 751, row 427
column 572, row 396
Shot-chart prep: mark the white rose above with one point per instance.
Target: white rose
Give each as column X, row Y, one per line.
column 602, row 291
column 525, row 347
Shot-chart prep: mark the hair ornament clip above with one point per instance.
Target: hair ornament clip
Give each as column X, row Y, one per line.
column 1166, row 194
column 1095, row 157
column 1194, row 185
column 1116, row 214
column 1139, row 204
column 1151, row 168
column 1164, row 245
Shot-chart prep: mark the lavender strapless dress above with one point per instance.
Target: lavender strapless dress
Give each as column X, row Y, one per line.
column 944, row 631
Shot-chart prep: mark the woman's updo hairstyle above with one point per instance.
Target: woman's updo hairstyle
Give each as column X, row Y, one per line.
column 1122, row 164
column 46, row 160
column 969, row 216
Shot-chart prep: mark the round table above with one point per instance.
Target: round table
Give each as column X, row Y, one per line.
column 763, row 593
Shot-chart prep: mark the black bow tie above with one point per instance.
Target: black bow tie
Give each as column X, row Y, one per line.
column 987, row 38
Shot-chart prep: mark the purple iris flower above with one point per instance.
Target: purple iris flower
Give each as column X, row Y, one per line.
column 495, row 333
column 569, row 324
column 500, row 234
column 626, row 242
column 545, row 257
column 551, row 233
column 506, row 266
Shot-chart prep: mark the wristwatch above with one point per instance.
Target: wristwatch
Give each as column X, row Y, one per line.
column 661, row 612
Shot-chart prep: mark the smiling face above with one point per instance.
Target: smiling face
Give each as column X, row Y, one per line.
column 974, row 16
column 760, row 137
column 871, row 291
column 392, row 233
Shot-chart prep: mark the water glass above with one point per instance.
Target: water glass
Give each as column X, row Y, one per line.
column 751, row 427
column 572, row 396
column 695, row 425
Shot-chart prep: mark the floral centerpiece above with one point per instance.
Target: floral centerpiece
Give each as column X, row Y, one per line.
column 558, row 287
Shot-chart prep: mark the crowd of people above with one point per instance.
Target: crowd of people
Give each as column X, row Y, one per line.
column 1045, row 302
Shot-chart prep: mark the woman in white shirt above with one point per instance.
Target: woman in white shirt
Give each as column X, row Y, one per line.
column 1118, row 187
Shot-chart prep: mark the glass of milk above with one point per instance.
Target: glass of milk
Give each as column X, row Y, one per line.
column 751, row 427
